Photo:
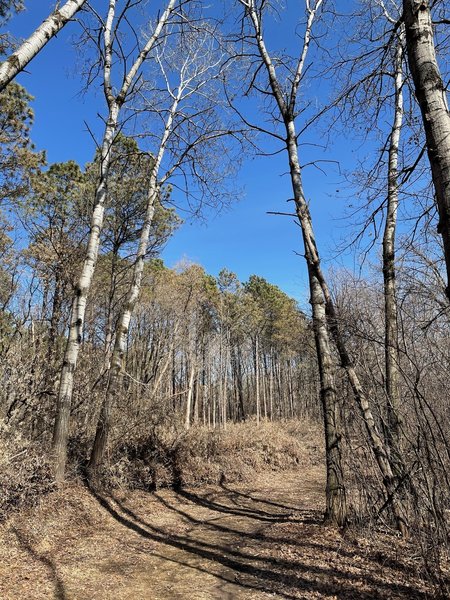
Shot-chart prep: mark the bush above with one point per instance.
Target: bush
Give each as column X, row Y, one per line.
column 24, row 474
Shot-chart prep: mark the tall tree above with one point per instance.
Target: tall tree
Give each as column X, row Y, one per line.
column 392, row 367
column 285, row 100
column 190, row 68
column 431, row 95
column 284, row 92
column 115, row 96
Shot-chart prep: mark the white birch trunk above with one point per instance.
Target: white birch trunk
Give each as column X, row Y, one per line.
column 37, row 40
column 115, row 103
column 389, row 274
column 324, row 313
column 432, row 98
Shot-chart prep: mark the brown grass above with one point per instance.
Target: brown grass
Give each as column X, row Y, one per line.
column 25, row 474
column 170, row 456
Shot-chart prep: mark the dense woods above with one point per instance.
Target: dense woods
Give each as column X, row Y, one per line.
column 108, row 357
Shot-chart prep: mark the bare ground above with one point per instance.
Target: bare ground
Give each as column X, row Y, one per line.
column 261, row 540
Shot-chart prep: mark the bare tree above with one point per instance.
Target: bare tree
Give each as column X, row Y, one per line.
column 115, row 97
column 325, row 317
column 285, row 99
column 392, row 368
column 191, row 126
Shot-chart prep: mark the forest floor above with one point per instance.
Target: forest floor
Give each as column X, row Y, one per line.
column 262, row 540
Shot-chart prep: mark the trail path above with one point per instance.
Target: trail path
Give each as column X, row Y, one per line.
column 259, row 540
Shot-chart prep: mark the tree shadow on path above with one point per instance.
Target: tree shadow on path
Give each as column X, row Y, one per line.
column 60, row 592
column 230, row 544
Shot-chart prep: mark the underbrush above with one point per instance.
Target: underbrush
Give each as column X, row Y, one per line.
column 169, row 456
column 25, row 474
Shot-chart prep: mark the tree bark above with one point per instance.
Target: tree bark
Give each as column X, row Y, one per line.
column 61, row 430
column 37, row 40
column 432, row 98
column 336, row 501
column 389, row 270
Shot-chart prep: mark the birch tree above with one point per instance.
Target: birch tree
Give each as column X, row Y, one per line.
column 389, row 267
column 19, row 59
column 190, row 130
column 285, row 102
column 431, row 94
column 116, row 94
column 373, row 83
column 325, row 318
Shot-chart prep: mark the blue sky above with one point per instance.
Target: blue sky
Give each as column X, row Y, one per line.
column 242, row 238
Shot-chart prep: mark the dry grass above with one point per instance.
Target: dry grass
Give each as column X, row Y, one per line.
column 170, row 456
column 25, row 474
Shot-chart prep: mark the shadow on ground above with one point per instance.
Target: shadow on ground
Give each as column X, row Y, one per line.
column 251, row 547
column 48, row 563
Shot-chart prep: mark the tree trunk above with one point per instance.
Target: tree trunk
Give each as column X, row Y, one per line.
column 389, row 274
column 432, row 98
column 61, row 430
column 312, row 257
column 37, row 40
column 236, row 362
column 336, row 502
column 256, row 367
column 187, row 419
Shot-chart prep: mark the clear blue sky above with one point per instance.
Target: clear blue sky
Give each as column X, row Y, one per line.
column 243, row 238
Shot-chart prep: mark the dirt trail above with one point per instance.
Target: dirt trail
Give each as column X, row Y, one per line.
column 260, row 540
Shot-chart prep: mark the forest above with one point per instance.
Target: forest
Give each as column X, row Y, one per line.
column 122, row 375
